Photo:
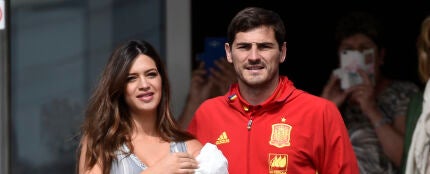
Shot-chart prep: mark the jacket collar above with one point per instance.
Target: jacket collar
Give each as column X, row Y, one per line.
column 282, row 94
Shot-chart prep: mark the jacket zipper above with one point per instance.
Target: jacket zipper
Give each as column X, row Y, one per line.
column 249, row 125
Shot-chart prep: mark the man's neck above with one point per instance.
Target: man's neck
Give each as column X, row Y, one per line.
column 257, row 94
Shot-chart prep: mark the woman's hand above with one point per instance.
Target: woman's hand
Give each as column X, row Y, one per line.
column 333, row 92
column 178, row 163
column 364, row 94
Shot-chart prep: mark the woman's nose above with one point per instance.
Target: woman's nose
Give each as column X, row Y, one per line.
column 143, row 84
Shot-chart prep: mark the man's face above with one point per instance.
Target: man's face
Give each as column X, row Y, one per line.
column 256, row 56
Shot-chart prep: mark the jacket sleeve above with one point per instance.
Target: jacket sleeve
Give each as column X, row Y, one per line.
column 337, row 155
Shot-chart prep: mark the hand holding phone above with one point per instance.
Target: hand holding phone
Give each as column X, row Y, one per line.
column 213, row 50
column 350, row 62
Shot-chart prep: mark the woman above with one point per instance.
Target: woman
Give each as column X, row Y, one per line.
column 374, row 110
column 418, row 155
column 128, row 126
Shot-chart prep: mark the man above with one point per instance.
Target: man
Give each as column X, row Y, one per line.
column 264, row 124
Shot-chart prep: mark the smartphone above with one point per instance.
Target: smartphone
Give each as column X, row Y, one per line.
column 213, row 50
column 351, row 61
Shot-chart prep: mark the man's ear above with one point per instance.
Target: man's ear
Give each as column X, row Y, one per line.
column 283, row 54
column 228, row 52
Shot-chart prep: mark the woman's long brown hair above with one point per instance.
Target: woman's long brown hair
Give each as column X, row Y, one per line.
column 108, row 123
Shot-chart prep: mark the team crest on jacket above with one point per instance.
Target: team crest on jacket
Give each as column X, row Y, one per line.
column 280, row 136
column 278, row 163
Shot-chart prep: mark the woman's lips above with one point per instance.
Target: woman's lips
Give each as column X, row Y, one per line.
column 146, row 97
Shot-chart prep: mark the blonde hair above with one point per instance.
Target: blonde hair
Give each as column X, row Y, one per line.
column 423, row 50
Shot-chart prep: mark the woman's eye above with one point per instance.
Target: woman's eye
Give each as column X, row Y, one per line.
column 153, row 74
column 131, row 78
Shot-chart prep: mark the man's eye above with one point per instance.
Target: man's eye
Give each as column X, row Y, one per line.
column 265, row 47
column 243, row 46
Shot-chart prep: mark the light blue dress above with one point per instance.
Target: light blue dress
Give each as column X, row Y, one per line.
column 130, row 164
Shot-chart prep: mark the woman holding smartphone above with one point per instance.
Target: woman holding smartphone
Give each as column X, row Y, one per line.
column 374, row 110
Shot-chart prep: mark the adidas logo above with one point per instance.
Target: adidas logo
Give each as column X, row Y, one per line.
column 222, row 139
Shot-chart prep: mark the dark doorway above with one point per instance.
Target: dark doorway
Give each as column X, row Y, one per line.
column 310, row 33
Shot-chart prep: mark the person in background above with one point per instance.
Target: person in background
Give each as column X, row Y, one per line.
column 374, row 110
column 264, row 124
column 128, row 126
column 204, row 86
column 418, row 154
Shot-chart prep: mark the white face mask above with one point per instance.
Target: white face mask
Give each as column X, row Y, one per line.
column 351, row 61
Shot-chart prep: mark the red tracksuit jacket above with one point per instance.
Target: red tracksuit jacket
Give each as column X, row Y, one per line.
column 291, row 132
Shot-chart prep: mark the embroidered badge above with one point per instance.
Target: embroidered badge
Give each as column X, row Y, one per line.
column 232, row 97
column 222, row 139
column 280, row 136
column 278, row 163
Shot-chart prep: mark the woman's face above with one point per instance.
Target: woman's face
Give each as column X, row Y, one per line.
column 144, row 87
